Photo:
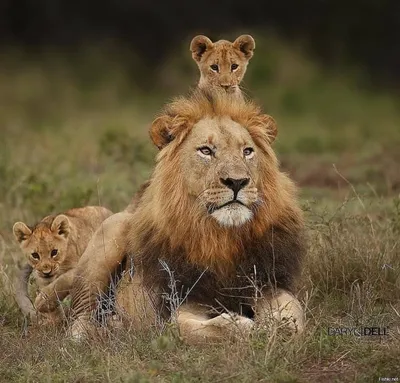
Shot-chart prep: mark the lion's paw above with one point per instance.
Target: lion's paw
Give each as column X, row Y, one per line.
column 284, row 311
column 80, row 330
column 290, row 316
column 289, row 321
column 233, row 320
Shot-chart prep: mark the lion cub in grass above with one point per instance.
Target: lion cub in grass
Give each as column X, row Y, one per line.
column 52, row 248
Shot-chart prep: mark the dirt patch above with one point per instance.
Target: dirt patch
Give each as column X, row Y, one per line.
column 379, row 171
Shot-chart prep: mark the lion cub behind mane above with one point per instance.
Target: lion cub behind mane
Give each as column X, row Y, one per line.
column 52, row 248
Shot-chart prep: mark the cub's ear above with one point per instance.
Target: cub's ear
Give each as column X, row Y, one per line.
column 165, row 128
column 199, row 45
column 246, row 44
column 61, row 225
column 21, row 231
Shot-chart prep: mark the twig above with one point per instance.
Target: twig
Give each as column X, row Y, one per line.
column 339, row 359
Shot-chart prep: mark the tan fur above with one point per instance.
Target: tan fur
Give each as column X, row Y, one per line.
column 52, row 249
column 182, row 219
column 215, row 61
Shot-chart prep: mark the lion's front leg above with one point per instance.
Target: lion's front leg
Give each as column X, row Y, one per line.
column 280, row 306
column 101, row 258
column 196, row 326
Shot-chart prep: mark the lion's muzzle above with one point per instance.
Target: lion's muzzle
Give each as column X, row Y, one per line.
column 235, row 184
column 230, row 205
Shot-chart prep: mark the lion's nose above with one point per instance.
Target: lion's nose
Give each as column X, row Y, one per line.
column 225, row 86
column 235, row 184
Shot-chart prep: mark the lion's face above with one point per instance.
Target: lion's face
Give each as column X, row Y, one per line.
column 222, row 64
column 45, row 247
column 220, row 164
column 215, row 160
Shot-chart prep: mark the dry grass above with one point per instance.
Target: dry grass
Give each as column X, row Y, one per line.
column 66, row 143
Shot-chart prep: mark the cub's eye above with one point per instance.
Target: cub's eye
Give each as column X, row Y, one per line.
column 248, row 152
column 214, row 67
column 35, row 256
column 54, row 252
column 234, row 67
column 205, row 150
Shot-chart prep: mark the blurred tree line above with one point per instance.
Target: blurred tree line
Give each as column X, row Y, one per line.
column 364, row 32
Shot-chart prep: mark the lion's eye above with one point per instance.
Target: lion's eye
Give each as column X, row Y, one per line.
column 214, row 67
column 205, row 150
column 234, row 67
column 54, row 252
column 248, row 152
column 35, row 256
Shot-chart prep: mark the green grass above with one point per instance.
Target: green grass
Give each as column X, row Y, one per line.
column 74, row 132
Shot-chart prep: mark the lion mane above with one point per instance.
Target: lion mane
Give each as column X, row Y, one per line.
column 271, row 244
column 216, row 268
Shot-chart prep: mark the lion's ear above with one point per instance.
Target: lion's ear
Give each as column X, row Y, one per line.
column 164, row 129
column 199, row 45
column 61, row 226
column 160, row 131
column 246, row 44
column 21, row 231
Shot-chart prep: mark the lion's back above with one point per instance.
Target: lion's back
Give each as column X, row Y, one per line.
column 86, row 220
column 91, row 216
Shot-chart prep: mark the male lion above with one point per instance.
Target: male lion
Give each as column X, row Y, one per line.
column 52, row 248
column 217, row 235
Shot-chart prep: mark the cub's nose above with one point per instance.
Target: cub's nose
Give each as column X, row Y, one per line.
column 235, row 184
column 46, row 273
column 225, row 86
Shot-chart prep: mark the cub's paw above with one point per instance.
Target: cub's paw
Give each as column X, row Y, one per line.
column 44, row 303
column 53, row 318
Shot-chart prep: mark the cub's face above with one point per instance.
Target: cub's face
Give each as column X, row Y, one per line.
column 222, row 64
column 221, row 164
column 45, row 247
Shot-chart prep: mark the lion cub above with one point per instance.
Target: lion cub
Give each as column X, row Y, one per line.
column 52, row 248
column 222, row 64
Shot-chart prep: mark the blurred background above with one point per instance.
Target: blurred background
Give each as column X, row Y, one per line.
column 80, row 82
